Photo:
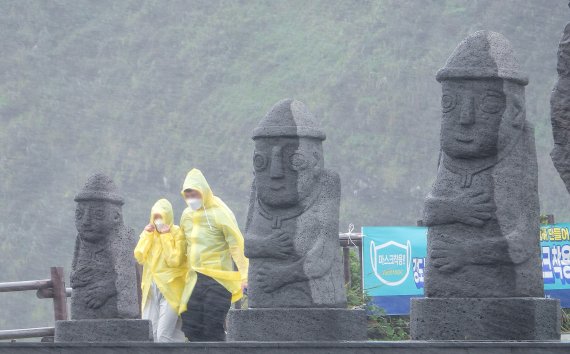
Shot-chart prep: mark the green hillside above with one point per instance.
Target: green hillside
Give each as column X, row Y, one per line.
column 144, row 90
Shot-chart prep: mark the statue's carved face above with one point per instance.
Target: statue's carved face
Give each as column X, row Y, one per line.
column 286, row 169
column 472, row 113
column 95, row 219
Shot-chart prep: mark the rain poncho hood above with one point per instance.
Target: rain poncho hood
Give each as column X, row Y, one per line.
column 163, row 257
column 213, row 240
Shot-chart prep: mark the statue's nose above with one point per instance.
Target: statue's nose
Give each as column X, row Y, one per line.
column 467, row 114
column 86, row 218
column 276, row 169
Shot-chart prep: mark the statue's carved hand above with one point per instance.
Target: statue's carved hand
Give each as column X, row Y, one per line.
column 269, row 279
column 280, row 245
column 473, row 208
column 98, row 293
column 448, row 259
column 82, row 276
column 277, row 245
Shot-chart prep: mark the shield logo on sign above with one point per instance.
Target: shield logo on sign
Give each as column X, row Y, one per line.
column 391, row 261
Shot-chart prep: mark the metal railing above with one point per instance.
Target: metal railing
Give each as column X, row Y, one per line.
column 53, row 288
column 348, row 240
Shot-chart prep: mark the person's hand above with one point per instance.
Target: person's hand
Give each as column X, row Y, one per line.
column 149, row 228
column 163, row 229
column 244, row 286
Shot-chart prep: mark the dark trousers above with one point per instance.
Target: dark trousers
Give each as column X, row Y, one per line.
column 207, row 308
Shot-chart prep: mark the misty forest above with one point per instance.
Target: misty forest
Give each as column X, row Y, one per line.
column 145, row 90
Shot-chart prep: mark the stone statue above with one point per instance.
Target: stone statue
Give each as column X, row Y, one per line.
column 483, row 211
column 560, row 111
column 103, row 249
column 291, row 235
column 104, row 306
column 296, row 288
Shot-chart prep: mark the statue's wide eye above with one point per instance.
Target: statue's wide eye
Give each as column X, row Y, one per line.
column 493, row 103
column 298, row 161
column 259, row 161
column 447, row 102
column 79, row 211
column 99, row 214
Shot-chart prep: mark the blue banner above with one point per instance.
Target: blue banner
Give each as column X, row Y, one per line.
column 393, row 260
column 393, row 265
column 555, row 253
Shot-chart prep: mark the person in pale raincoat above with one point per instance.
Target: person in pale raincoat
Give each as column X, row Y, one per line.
column 213, row 241
column 161, row 251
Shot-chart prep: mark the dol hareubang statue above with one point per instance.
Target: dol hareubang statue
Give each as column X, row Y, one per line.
column 103, row 275
column 104, row 306
column 483, row 210
column 291, row 233
column 560, row 111
column 296, row 289
column 483, row 275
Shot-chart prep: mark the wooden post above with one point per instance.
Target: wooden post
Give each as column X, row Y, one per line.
column 346, row 261
column 59, row 294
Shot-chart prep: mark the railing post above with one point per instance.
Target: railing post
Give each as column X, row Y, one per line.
column 346, row 261
column 59, row 294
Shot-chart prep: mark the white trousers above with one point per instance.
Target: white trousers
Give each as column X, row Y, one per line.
column 166, row 324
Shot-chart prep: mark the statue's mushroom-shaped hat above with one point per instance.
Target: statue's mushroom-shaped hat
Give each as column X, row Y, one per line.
column 99, row 187
column 483, row 54
column 289, row 118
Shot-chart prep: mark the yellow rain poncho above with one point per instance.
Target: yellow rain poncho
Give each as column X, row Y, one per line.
column 163, row 257
column 213, row 240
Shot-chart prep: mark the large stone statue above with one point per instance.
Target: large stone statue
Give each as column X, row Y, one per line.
column 560, row 111
column 103, row 272
column 291, row 235
column 483, row 270
column 291, row 239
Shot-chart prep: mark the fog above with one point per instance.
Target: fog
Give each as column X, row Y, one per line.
column 145, row 90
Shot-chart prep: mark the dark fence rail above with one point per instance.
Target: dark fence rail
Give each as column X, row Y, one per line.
column 53, row 288
column 27, row 333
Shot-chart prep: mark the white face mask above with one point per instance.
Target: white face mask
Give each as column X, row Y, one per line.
column 158, row 223
column 194, row 203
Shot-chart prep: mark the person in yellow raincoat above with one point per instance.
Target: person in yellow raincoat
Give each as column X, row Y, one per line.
column 213, row 241
column 162, row 252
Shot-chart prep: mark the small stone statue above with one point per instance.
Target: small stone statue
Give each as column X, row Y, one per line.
column 483, row 275
column 291, row 233
column 103, row 276
column 560, row 111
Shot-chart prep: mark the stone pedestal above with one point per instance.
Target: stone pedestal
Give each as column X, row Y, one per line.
column 296, row 324
column 485, row 319
column 103, row 331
